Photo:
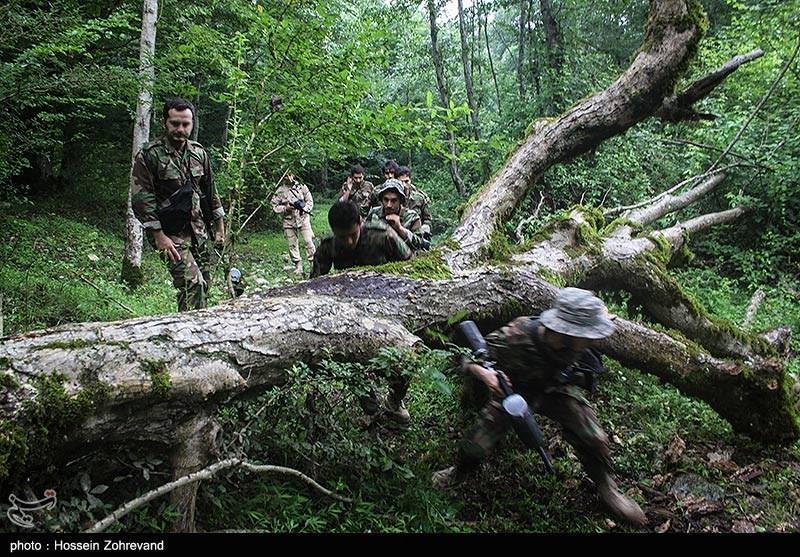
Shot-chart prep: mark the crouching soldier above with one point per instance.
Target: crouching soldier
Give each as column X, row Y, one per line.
column 539, row 354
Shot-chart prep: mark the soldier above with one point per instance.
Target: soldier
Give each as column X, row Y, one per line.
column 390, row 169
column 417, row 200
column 405, row 222
column 358, row 190
column 293, row 200
column 539, row 354
column 355, row 242
column 174, row 198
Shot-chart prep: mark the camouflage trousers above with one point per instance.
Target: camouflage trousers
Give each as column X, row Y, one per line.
column 191, row 274
column 577, row 419
column 294, row 244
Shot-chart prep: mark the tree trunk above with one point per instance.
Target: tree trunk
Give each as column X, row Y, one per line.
column 473, row 106
column 523, row 19
column 196, row 127
column 491, row 63
column 444, row 96
column 132, row 256
column 153, row 379
column 552, row 35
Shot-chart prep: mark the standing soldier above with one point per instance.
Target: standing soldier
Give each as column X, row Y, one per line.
column 392, row 210
column 543, row 357
column 174, row 198
column 358, row 190
column 293, row 200
column 355, row 242
column 417, row 200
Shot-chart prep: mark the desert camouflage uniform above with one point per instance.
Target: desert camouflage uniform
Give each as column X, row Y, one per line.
column 364, row 196
column 295, row 222
column 410, row 221
column 535, row 373
column 158, row 172
column 377, row 244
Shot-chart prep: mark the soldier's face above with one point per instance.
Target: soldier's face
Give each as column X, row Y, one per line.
column 178, row 125
column 391, row 203
column 568, row 347
column 358, row 179
column 388, row 173
column 406, row 182
column 348, row 237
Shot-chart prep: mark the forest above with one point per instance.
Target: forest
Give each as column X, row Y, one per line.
column 646, row 151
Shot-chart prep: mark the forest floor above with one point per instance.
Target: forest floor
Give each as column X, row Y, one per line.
column 674, row 455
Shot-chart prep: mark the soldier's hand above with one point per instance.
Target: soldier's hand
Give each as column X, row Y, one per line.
column 394, row 221
column 349, row 183
column 289, row 209
column 491, row 381
column 166, row 246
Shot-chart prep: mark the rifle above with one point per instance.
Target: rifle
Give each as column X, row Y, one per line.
column 513, row 404
column 300, row 205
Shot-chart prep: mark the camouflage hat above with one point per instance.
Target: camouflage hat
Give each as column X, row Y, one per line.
column 578, row 313
column 395, row 185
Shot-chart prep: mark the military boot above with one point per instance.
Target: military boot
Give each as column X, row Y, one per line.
column 620, row 504
column 397, row 415
column 444, row 478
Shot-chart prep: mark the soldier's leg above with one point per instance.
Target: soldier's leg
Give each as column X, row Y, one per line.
column 308, row 239
column 294, row 246
column 476, row 445
column 399, row 381
column 481, row 439
column 294, row 249
column 582, row 430
column 187, row 278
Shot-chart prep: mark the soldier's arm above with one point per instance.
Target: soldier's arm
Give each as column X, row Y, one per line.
column 143, row 195
column 308, row 199
column 145, row 207
column 396, row 249
column 414, row 237
column 217, row 212
column 426, row 216
column 279, row 201
column 344, row 193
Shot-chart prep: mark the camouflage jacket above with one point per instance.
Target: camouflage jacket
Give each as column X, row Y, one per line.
column 410, row 221
column 419, row 201
column 289, row 193
column 364, row 196
column 377, row 244
column 531, row 365
column 159, row 171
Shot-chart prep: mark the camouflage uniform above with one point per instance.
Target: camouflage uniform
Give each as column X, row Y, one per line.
column 295, row 221
column 410, row 221
column 535, row 373
column 159, row 172
column 377, row 244
column 364, row 196
column 418, row 201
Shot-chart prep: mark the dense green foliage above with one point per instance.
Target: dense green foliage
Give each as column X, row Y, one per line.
column 315, row 86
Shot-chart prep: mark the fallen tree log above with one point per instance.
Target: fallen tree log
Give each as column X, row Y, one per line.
column 160, row 379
